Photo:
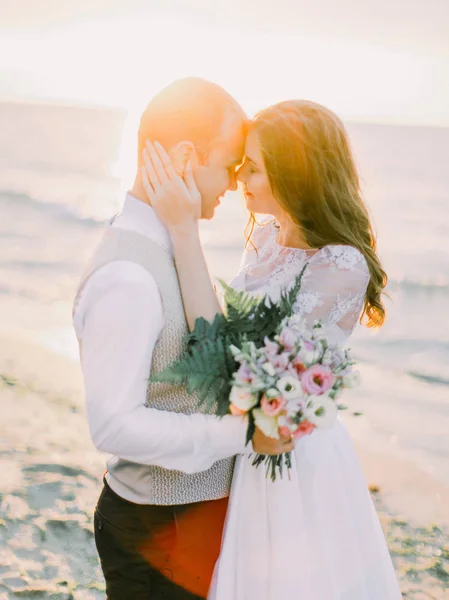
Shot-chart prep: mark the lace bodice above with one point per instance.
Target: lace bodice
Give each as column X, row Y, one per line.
column 333, row 286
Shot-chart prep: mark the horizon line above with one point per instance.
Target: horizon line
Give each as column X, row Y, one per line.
column 49, row 101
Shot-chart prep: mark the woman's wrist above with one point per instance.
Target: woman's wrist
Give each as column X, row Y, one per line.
column 181, row 233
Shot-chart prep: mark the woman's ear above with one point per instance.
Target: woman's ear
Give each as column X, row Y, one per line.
column 181, row 154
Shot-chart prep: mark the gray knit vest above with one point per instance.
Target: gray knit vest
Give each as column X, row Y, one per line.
column 145, row 484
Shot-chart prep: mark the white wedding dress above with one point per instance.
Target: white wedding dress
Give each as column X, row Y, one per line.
column 315, row 535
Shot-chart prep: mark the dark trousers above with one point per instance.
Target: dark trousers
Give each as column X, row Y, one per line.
column 157, row 552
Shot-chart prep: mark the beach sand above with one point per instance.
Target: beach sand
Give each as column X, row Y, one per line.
column 52, row 476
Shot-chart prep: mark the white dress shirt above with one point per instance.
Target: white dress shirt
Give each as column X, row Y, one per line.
column 118, row 319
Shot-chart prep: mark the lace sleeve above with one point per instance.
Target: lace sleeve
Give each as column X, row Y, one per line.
column 333, row 289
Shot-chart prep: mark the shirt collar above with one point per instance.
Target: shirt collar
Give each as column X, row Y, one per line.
column 140, row 217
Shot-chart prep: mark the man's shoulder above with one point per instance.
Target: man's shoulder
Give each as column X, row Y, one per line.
column 117, row 276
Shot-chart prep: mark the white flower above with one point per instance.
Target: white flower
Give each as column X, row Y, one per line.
column 268, row 425
column 339, row 356
column 294, row 405
column 309, row 356
column 296, row 323
column 322, row 411
column 242, row 398
column 290, row 387
column 268, row 368
column 352, row 379
column 294, row 320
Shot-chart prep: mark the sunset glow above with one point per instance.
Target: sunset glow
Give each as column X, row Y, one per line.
column 124, row 61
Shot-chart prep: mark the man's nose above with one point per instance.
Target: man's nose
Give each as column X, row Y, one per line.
column 233, row 183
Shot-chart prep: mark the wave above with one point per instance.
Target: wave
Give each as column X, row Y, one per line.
column 432, row 379
column 22, row 293
column 423, row 359
column 399, row 369
column 415, row 287
column 37, row 264
column 60, row 212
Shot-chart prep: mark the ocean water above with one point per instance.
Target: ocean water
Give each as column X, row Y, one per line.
column 60, row 178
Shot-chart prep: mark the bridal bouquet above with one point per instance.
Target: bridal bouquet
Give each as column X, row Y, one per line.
column 260, row 359
column 290, row 384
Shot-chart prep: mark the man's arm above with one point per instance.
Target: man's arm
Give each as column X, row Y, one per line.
column 118, row 321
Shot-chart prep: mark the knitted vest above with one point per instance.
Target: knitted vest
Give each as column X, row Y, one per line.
column 151, row 484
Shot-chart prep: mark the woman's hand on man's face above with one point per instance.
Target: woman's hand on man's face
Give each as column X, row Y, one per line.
column 176, row 200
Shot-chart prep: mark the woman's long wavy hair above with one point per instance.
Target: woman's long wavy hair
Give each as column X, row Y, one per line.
column 313, row 176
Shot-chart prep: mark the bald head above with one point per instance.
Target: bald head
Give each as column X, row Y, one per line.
column 190, row 109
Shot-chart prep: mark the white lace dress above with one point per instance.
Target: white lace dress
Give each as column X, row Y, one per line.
column 315, row 536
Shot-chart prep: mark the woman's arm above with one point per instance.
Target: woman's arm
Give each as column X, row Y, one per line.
column 178, row 204
column 196, row 286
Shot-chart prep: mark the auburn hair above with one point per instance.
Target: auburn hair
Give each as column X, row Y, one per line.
column 313, row 176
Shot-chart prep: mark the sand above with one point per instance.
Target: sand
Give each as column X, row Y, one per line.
column 52, row 476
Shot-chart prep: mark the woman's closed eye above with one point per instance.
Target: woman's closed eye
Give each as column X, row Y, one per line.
column 248, row 167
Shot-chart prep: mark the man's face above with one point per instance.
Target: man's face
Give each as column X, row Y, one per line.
column 218, row 174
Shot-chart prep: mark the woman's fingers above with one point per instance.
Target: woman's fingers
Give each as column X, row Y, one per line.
column 190, row 180
column 166, row 160
column 172, row 197
column 150, row 170
column 147, row 185
column 157, row 162
column 193, row 190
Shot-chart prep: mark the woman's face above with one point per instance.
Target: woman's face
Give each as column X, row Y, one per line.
column 253, row 175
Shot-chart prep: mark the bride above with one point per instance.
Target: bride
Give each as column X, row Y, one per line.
column 315, row 535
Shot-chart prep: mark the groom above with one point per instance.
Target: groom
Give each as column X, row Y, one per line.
column 160, row 515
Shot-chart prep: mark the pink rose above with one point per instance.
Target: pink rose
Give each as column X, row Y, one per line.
column 304, row 428
column 272, row 406
column 317, row 380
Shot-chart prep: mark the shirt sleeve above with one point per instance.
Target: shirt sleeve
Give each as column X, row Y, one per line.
column 333, row 290
column 118, row 321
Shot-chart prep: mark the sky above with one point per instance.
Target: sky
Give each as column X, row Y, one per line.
column 381, row 61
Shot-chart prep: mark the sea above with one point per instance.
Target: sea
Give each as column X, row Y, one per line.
column 64, row 171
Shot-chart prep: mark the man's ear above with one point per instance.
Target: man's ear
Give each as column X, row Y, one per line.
column 181, row 154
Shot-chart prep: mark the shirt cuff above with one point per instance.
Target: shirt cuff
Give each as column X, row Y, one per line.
column 229, row 435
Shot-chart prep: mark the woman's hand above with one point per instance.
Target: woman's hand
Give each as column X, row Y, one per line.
column 176, row 201
column 263, row 444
